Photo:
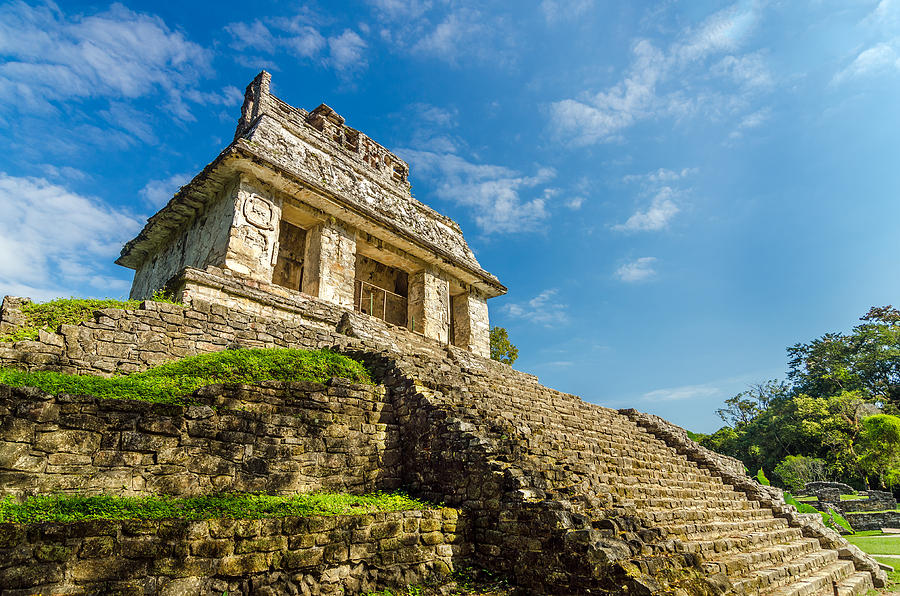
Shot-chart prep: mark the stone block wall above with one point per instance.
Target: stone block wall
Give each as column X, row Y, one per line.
column 292, row 555
column 873, row 520
column 200, row 242
column 277, row 438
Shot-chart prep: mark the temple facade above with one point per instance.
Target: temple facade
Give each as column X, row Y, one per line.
column 302, row 207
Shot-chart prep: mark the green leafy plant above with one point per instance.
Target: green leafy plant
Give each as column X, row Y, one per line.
column 171, row 382
column 761, row 478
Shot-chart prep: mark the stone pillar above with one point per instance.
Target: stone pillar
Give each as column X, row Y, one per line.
column 252, row 245
column 471, row 328
column 429, row 305
column 329, row 266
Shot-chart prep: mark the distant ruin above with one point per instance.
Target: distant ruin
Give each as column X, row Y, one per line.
column 300, row 204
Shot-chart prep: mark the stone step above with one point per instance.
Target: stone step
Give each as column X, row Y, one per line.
column 815, row 570
column 857, row 583
column 705, row 515
column 742, row 538
column 735, row 564
column 818, row 582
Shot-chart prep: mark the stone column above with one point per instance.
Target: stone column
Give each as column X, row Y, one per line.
column 471, row 328
column 429, row 305
column 329, row 266
column 252, row 245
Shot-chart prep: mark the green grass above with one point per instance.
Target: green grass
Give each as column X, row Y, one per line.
column 243, row 506
column 873, row 544
column 68, row 311
column 171, row 382
column 853, row 498
column 865, row 512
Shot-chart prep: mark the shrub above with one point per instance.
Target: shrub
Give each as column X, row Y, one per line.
column 69, row 311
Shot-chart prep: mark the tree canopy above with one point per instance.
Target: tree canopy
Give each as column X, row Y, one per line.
column 833, row 416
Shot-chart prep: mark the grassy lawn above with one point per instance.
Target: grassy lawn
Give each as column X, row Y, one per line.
column 170, row 382
column 238, row 506
column 876, row 544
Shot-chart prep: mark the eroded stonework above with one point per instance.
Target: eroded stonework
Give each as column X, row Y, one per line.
column 297, row 200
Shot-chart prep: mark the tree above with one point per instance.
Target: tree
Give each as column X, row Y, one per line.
column 746, row 406
column 880, row 448
column 866, row 360
column 502, row 349
column 796, row 470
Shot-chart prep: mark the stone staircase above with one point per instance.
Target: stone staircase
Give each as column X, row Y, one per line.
column 611, row 468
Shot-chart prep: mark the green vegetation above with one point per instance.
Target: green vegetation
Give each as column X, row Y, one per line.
column 835, row 417
column 502, row 349
column 831, row 519
column 238, row 506
column 881, row 544
column 171, row 382
column 761, row 478
column 69, row 311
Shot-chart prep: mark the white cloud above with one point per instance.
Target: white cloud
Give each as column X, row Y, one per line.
column 543, row 309
column 55, row 239
column 638, row 270
column 575, row 203
column 157, row 193
column 556, row 11
column 50, row 57
column 491, row 192
column 654, row 84
column 302, row 37
column 347, row 51
column 751, row 121
column 662, row 175
column 657, row 216
column 64, row 173
column 749, row 70
column 400, row 9
column 681, row 393
column 879, row 59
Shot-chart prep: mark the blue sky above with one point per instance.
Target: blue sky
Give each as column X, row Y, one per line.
column 673, row 191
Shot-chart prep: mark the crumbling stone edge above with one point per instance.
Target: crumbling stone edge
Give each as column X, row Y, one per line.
column 731, row 471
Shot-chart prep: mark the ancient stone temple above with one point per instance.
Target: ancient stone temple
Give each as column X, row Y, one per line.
column 302, row 233
column 301, row 205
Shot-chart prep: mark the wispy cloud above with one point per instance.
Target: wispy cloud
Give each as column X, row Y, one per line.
column 492, row 193
column 642, row 93
column 641, row 269
column 51, row 57
column 685, row 392
column 452, row 32
column 543, row 309
column 157, row 193
column 656, row 217
column 301, row 36
column 51, row 259
column 556, row 11
column 880, row 59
